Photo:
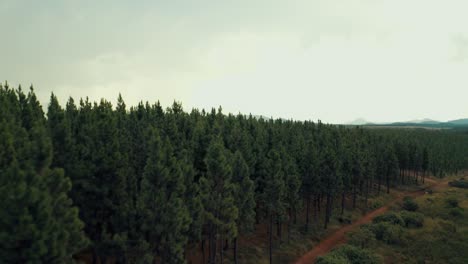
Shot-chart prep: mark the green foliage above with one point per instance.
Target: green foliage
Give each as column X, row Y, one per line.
column 350, row 254
column 153, row 182
column 38, row 223
column 452, row 202
column 412, row 219
column 409, row 204
column 387, row 232
column 332, row 259
column 392, row 218
column 459, row 184
column 375, row 204
column 363, row 238
column 244, row 194
column 161, row 202
column 217, row 189
column 456, row 212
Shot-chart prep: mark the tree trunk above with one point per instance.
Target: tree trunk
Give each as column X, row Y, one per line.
column 315, row 208
column 388, row 183
column 343, row 196
column 221, row 250
column 327, row 211
column 257, row 214
column 379, row 183
column 215, row 246
column 270, row 228
column 235, row 250
column 367, row 193
column 295, row 216
column 319, row 202
column 307, row 213
column 354, row 196
column 203, row 249
column 280, row 232
column 94, row 261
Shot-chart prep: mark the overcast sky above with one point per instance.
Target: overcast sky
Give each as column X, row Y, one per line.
column 306, row 59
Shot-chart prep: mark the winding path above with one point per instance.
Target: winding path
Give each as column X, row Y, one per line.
column 339, row 236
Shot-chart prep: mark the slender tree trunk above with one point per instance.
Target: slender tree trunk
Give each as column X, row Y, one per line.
column 221, row 250
column 367, row 193
column 270, row 234
column 235, row 250
column 278, row 229
column 327, row 211
column 388, row 183
column 210, row 245
column 94, row 261
column 203, row 249
column 379, row 183
column 319, row 202
column 307, row 213
column 257, row 214
column 343, row 196
column 315, row 209
column 354, row 196
column 295, row 216
column 215, row 245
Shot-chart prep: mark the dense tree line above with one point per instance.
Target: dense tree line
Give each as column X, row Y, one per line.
column 151, row 183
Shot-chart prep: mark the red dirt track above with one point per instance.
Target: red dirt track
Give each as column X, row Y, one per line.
column 339, row 236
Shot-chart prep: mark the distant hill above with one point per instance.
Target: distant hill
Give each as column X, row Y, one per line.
column 429, row 123
column 423, row 121
column 463, row 122
column 359, row 122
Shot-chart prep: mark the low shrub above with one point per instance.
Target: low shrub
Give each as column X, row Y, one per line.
column 409, row 204
column 363, row 238
column 349, row 255
column 391, row 218
column 445, row 227
column 459, row 184
column 332, row 258
column 389, row 233
column 375, row 204
column 412, row 219
column 456, row 212
column 452, row 202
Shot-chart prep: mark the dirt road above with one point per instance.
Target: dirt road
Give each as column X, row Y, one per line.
column 339, row 237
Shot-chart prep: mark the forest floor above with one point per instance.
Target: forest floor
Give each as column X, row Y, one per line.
column 339, row 236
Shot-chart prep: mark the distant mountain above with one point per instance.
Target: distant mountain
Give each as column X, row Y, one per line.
column 423, row 121
column 429, row 123
column 262, row 117
column 460, row 122
column 359, row 122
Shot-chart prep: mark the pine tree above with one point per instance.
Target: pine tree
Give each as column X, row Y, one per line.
column 166, row 219
column 221, row 212
column 274, row 194
column 293, row 185
column 244, row 196
column 38, row 223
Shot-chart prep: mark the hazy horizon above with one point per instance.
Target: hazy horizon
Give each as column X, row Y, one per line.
column 383, row 61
